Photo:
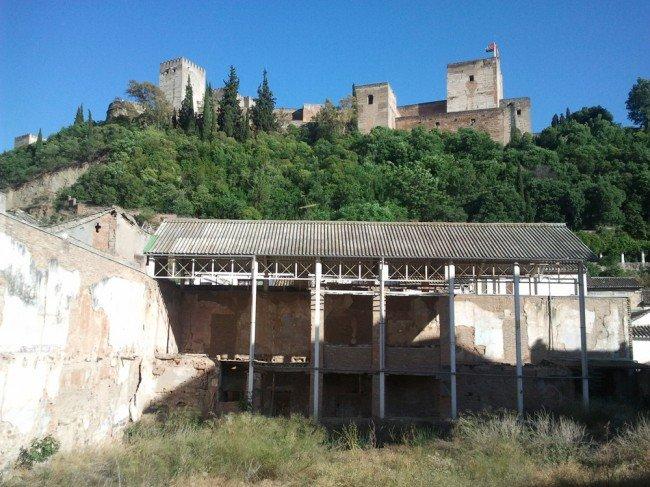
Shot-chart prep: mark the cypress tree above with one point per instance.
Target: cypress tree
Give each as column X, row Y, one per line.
column 568, row 113
column 79, row 117
column 262, row 114
column 207, row 130
column 230, row 116
column 186, row 114
column 90, row 120
column 555, row 120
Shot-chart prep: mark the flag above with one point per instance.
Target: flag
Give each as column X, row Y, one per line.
column 492, row 47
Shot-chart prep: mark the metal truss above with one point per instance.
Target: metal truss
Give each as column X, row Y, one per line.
column 429, row 276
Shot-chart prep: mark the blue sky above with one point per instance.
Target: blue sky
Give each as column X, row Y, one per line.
column 56, row 55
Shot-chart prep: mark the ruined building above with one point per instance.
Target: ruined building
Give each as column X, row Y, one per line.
column 474, row 100
column 173, row 79
column 342, row 321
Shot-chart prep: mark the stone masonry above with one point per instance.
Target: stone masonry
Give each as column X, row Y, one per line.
column 474, row 100
column 173, row 79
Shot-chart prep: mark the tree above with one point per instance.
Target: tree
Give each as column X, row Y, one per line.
column 262, row 114
column 230, row 116
column 156, row 108
column 90, row 120
column 207, row 127
column 39, row 138
column 638, row 103
column 587, row 115
column 79, row 117
column 186, row 118
column 555, row 120
column 326, row 124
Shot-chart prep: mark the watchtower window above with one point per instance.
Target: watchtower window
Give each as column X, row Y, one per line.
column 371, row 99
column 471, row 77
column 518, row 111
column 437, row 124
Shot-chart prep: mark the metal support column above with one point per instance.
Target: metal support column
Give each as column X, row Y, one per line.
column 520, row 367
column 316, row 359
column 382, row 340
column 582, row 290
column 251, row 349
column 451, row 276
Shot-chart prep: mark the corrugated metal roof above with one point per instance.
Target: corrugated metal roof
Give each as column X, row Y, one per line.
column 641, row 332
column 608, row 283
column 435, row 240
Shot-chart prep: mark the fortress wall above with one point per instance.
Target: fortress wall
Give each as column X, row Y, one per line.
column 85, row 343
column 494, row 121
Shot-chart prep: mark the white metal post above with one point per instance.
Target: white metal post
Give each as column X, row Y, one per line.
column 519, row 364
column 317, row 340
column 251, row 349
column 451, row 275
column 151, row 267
column 382, row 340
column 582, row 288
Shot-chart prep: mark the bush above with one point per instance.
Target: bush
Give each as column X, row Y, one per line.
column 40, row 449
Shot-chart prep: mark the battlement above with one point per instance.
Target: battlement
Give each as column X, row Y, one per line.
column 178, row 61
column 474, row 100
column 487, row 60
column 173, row 78
column 372, row 85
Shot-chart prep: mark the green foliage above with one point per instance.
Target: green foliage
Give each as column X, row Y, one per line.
column 585, row 171
column 186, row 119
column 208, row 117
column 230, row 117
column 157, row 109
column 638, row 102
column 262, row 116
column 40, row 449
column 79, row 116
column 495, row 449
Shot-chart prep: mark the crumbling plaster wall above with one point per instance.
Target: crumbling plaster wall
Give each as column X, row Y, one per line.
column 85, row 344
column 217, row 323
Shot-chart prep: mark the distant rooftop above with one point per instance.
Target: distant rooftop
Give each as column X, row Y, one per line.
column 613, row 283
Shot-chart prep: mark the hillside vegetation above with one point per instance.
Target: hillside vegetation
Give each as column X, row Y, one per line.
column 584, row 170
column 245, row 449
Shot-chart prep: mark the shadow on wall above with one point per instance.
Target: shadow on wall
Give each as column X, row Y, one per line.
column 217, row 323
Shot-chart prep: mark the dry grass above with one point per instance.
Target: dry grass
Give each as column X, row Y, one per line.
column 244, row 449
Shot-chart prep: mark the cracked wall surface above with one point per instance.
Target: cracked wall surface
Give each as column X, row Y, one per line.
column 85, row 344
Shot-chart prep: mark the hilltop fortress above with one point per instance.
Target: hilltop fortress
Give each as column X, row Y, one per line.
column 474, row 100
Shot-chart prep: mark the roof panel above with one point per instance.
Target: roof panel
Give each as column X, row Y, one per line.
column 433, row 240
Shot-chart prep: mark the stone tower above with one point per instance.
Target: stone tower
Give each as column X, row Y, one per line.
column 377, row 106
column 474, row 85
column 173, row 81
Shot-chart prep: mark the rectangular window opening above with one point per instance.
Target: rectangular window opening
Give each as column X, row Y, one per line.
column 471, row 77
